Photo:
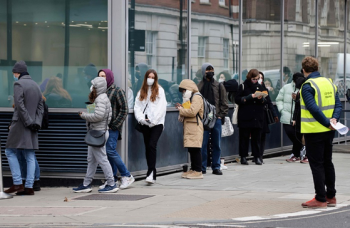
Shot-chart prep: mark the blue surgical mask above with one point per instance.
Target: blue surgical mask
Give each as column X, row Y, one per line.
column 15, row 78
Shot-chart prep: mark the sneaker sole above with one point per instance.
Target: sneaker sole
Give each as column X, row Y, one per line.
column 190, row 178
column 331, row 205
column 315, row 207
column 127, row 186
column 83, row 191
column 150, row 182
column 110, row 191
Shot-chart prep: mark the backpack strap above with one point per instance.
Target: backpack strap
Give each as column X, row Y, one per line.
column 197, row 115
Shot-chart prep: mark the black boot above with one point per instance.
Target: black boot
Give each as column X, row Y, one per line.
column 244, row 161
column 36, row 186
column 258, row 161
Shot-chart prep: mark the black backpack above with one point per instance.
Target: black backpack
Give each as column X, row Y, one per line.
column 45, row 121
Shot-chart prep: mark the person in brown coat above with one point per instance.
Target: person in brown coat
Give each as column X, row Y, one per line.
column 193, row 127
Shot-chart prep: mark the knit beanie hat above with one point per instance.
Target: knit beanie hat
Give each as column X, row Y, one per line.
column 20, row 67
column 109, row 76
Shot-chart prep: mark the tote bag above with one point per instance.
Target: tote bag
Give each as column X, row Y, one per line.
column 227, row 128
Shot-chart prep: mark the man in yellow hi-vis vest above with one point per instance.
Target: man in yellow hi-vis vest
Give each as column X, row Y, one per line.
column 320, row 106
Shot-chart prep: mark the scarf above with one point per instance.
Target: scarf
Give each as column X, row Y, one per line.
column 22, row 74
column 207, row 90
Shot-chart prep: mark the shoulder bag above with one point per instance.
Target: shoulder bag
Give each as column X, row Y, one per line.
column 269, row 116
column 235, row 112
column 96, row 138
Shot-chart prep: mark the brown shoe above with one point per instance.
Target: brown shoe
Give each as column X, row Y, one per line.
column 314, row 204
column 195, row 175
column 15, row 188
column 26, row 192
column 331, row 202
column 184, row 174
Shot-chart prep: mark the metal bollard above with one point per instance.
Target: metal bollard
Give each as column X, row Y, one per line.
column 3, row 195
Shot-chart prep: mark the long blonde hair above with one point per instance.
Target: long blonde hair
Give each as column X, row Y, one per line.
column 55, row 85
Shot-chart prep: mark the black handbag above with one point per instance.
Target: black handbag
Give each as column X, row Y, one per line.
column 138, row 125
column 96, row 138
column 269, row 116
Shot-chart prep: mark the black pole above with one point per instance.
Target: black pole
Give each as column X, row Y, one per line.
column 9, row 47
column 66, row 42
column 132, row 42
column 233, row 46
column 172, row 68
column 181, row 51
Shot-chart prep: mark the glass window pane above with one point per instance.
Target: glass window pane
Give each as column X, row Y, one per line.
column 331, row 42
column 262, row 41
column 214, row 39
column 64, row 47
column 157, row 40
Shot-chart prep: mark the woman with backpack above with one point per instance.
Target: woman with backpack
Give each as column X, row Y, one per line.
column 250, row 116
column 193, row 127
column 150, row 110
column 98, row 120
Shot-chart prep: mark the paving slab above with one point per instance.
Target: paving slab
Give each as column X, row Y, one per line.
column 277, row 187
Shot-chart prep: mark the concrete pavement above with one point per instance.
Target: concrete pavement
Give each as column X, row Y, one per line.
column 277, row 187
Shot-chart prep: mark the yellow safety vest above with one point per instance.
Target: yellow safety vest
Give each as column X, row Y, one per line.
column 325, row 92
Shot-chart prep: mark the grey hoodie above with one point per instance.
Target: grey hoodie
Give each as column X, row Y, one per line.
column 103, row 108
column 221, row 110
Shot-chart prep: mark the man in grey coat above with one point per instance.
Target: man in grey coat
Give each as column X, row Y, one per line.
column 26, row 121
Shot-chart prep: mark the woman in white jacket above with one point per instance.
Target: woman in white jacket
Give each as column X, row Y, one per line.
column 150, row 111
column 286, row 106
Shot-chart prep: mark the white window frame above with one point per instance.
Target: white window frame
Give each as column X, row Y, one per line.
column 204, row 1
column 225, row 52
column 202, row 43
column 222, row 2
column 151, row 48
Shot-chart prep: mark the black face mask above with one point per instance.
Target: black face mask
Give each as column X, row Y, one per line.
column 209, row 75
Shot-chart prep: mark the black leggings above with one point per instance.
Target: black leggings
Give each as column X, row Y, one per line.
column 295, row 137
column 196, row 159
column 150, row 138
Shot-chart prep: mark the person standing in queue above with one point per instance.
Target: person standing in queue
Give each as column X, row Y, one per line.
column 320, row 106
column 250, row 117
column 269, row 105
column 23, row 135
column 193, row 126
column 120, row 110
column 211, row 90
column 150, row 110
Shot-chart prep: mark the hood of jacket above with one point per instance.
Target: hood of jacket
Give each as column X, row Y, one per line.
column 189, row 85
column 143, row 67
column 100, row 84
column 109, row 76
column 204, row 67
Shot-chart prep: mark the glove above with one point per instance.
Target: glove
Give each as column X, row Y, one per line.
column 34, row 127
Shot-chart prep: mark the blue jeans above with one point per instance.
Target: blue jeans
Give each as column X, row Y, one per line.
column 113, row 156
column 215, row 142
column 23, row 165
column 29, row 155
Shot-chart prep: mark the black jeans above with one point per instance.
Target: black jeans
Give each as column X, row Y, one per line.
column 150, row 138
column 262, row 143
column 244, row 134
column 319, row 152
column 295, row 137
column 196, row 159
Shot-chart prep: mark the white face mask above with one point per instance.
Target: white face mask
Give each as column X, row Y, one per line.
column 150, row 81
column 260, row 81
column 221, row 80
column 186, row 96
column 91, row 88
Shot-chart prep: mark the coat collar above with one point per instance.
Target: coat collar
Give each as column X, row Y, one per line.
column 315, row 74
column 25, row 77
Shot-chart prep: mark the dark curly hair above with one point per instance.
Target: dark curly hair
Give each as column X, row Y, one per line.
column 310, row 64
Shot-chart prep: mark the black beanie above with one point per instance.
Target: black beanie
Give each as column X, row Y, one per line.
column 20, row 67
column 296, row 76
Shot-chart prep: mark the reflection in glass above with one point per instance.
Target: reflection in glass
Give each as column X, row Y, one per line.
column 57, row 39
column 157, row 40
column 214, row 39
column 261, row 40
column 331, row 42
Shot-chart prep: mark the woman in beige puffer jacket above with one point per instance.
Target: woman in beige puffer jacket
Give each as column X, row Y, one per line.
column 193, row 127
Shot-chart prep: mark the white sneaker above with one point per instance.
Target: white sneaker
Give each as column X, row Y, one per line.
column 126, row 182
column 223, row 167
column 150, row 179
column 103, row 186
